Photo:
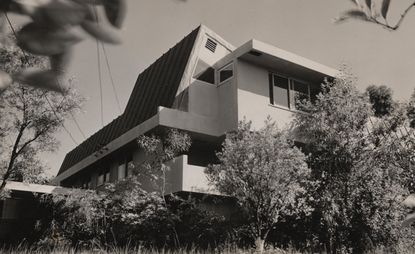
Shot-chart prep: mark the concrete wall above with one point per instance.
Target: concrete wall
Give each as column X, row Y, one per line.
column 253, row 96
column 203, row 99
column 228, row 105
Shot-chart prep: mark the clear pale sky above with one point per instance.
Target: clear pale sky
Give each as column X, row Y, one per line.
column 304, row 27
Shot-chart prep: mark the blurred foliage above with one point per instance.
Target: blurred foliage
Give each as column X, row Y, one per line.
column 374, row 11
column 29, row 119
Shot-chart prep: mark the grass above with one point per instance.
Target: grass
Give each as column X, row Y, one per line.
column 137, row 250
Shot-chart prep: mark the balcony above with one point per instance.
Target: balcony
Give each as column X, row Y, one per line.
column 185, row 177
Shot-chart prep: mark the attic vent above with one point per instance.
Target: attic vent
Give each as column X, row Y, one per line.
column 211, row 45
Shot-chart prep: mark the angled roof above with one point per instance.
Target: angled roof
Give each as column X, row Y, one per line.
column 155, row 86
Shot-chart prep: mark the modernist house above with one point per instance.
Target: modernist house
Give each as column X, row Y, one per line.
column 204, row 86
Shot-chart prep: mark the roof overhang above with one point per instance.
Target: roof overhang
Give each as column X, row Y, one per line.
column 193, row 124
column 36, row 188
column 287, row 63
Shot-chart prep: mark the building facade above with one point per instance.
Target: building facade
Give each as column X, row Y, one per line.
column 203, row 86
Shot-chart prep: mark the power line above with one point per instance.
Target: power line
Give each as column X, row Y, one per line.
column 77, row 125
column 47, row 99
column 111, row 78
column 100, row 84
column 94, row 9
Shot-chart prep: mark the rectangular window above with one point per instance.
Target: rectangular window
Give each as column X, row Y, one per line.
column 103, row 177
column 86, row 183
column 122, row 171
column 226, row 73
column 299, row 91
column 100, row 180
column 107, row 176
column 280, row 91
column 130, row 167
column 288, row 92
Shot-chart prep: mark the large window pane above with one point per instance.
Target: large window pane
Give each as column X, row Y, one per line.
column 280, row 91
column 299, row 92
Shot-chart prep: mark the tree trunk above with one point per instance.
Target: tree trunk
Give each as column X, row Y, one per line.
column 259, row 245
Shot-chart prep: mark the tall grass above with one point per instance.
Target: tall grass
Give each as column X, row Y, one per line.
column 136, row 250
column 229, row 249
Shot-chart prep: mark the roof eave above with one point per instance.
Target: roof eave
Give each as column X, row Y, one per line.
column 262, row 49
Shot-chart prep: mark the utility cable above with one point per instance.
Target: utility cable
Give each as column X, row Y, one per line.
column 47, row 99
column 111, row 77
column 100, row 84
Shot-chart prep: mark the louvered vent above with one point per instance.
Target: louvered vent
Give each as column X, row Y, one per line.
column 211, row 45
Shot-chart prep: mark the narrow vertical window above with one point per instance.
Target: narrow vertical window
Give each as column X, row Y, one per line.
column 103, row 177
column 130, row 166
column 280, row 91
column 122, row 171
column 107, row 176
column 100, row 180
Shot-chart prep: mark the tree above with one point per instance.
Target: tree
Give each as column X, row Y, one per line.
column 411, row 110
column 160, row 149
column 265, row 173
column 356, row 161
column 29, row 118
column 381, row 99
column 127, row 210
column 370, row 12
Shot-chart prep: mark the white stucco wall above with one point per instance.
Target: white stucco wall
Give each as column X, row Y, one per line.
column 228, row 105
column 253, row 96
column 203, row 99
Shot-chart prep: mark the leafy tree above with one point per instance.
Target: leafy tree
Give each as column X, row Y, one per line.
column 265, row 173
column 381, row 99
column 360, row 181
column 126, row 213
column 29, row 118
column 160, row 149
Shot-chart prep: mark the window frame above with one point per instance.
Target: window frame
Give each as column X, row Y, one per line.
column 123, row 165
column 104, row 173
column 86, row 182
column 290, row 92
column 219, row 82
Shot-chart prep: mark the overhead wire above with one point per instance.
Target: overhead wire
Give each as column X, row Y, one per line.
column 111, row 77
column 99, row 71
column 100, row 84
column 47, row 99
column 78, row 126
column 107, row 62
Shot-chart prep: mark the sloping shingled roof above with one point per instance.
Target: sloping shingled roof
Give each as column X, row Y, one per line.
column 155, row 86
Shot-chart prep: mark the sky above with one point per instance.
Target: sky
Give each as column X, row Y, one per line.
column 304, row 27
